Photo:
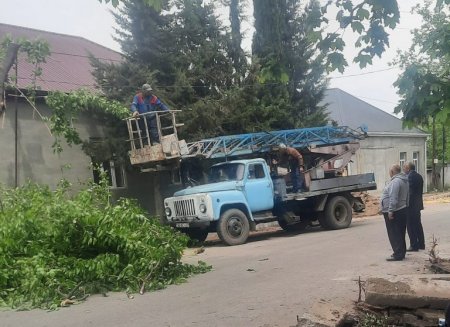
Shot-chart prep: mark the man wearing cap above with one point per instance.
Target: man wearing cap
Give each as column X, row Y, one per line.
column 296, row 167
column 144, row 101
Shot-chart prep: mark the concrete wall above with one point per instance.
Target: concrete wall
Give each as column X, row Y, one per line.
column 36, row 160
column 149, row 189
column 378, row 153
column 440, row 170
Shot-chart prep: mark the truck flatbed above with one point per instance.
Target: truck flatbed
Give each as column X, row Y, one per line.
column 354, row 183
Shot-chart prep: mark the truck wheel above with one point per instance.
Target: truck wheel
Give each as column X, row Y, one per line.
column 337, row 213
column 233, row 227
column 196, row 234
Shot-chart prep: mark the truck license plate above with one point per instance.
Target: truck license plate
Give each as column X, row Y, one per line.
column 182, row 225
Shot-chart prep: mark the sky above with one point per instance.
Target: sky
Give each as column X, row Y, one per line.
column 93, row 20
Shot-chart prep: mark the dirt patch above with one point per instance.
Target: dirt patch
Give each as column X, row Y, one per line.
column 381, row 285
column 437, row 197
column 371, row 202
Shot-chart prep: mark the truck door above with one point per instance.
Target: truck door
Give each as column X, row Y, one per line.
column 258, row 188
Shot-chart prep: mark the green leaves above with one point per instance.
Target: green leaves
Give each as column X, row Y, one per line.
column 53, row 245
column 66, row 107
column 357, row 27
column 424, row 85
column 336, row 61
column 367, row 18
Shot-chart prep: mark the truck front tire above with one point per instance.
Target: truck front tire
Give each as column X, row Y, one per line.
column 337, row 213
column 233, row 227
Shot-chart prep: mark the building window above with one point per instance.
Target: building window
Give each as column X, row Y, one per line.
column 415, row 160
column 402, row 159
column 114, row 172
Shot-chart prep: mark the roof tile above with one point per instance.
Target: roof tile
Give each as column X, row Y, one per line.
column 68, row 67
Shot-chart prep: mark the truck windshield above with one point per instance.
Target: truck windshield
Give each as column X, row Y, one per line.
column 226, row 172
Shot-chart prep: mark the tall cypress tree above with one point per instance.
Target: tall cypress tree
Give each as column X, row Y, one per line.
column 291, row 70
column 236, row 53
column 183, row 52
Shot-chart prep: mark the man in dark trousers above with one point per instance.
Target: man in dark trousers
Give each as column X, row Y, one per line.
column 394, row 206
column 296, row 167
column 414, row 224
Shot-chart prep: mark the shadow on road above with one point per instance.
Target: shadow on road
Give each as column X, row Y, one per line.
column 266, row 234
column 273, row 233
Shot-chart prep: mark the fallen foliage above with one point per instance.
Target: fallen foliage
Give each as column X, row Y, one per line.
column 56, row 249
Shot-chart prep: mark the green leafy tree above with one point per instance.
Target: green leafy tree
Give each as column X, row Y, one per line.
column 200, row 67
column 373, row 39
column 424, row 85
column 185, row 55
column 291, row 69
column 236, row 53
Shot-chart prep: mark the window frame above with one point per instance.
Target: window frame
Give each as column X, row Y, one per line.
column 402, row 162
column 109, row 167
column 416, row 160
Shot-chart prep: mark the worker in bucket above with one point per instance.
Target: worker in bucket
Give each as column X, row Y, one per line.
column 296, row 166
column 145, row 101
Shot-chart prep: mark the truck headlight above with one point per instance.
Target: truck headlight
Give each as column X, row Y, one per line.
column 202, row 208
column 168, row 212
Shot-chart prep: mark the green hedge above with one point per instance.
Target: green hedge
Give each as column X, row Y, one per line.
column 55, row 247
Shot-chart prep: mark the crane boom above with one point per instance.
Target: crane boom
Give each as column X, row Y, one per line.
column 145, row 151
column 244, row 144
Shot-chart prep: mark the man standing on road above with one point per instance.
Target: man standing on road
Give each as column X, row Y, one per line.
column 296, row 167
column 394, row 203
column 144, row 101
column 414, row 224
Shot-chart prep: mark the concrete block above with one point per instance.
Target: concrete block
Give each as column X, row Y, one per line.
column 409, row 291
column 410, row 320
column 430, row 315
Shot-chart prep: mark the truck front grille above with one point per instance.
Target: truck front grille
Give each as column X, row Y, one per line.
column 185, row 208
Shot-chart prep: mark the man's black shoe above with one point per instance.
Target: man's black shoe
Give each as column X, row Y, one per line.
column 422, row 248
column 393, row 259
column 410, row 249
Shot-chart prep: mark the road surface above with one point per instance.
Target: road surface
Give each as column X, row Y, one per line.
column 269, row 281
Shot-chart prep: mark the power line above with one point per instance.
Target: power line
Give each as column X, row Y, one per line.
column 84, row 56
column 212, row 86
column 366, row 73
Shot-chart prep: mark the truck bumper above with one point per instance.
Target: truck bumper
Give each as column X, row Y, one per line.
column 192, row 224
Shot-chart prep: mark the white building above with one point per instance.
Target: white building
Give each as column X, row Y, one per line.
column 387, row 141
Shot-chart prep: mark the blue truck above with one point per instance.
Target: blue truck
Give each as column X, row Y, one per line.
column 246, row 188
column 242, row 193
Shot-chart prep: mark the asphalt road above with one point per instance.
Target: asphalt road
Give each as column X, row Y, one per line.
column 269, row 281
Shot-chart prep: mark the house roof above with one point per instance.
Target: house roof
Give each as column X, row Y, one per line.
column 348, row 110
column 68, row 67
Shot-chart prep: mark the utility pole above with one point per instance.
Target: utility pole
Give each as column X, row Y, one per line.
column 444, row 145
column 434, row 180
column 16, row 138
